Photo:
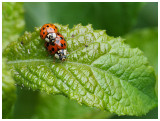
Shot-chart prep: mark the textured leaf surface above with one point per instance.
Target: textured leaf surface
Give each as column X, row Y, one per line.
column 8, row 91
column 107, row 74
column 12, row 22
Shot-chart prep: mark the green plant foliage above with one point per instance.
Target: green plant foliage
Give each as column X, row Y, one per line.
column 12, row 25
column 107, row 74
column 12, row 21
column 60, row 107
column 117, row 18
column 148, row 15
column 44, row 106
column 8, row 91
column 26, row 99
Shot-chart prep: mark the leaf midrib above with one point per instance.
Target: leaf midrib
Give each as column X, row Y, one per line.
column 28, row 61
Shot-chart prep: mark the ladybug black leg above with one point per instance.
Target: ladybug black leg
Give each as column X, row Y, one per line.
column 54, row 60
column 46, row 45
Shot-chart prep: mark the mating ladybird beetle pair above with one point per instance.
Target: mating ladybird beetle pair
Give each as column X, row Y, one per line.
column 54, row 41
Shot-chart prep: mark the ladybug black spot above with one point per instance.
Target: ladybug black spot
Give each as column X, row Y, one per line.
column 47, row 25
column 61, row 45
column 61, row 37
column 43, row 32
column 64, row 44
column 55, row 27
column 43, row 28
column 57, row 33
column 52, row 49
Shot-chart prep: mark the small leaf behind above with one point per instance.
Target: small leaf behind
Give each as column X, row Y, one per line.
column 13, row 21
column 8, row 91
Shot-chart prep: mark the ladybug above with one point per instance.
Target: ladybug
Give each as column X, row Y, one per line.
column 51, row 47
column 60, row 42
column 48, row 32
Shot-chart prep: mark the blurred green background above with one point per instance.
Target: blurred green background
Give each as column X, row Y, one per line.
column 136, row 22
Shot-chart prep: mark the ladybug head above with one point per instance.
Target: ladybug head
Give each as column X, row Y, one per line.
column 50, row 37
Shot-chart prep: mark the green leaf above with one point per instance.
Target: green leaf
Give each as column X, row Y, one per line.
column 107, row 74
column 8, row 91
column 115, row 17
column 13, row 22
